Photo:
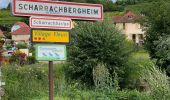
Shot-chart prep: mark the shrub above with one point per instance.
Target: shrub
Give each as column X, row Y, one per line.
column 158, row 82
column 158, row 32
column 8, row 46
column 112, row 95
column 31, row 60
column 103, row 79
column 163, row 53
column 93, row 43
column 21, row 45
column 135, row 66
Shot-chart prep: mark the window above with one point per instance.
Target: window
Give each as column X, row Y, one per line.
column 130, row 17
column 124, row 26
column 134, row 38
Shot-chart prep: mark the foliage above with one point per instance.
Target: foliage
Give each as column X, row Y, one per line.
column 24, row 83
column 133, row 2
column 30, row 83
column 126, row 2
column 135, row 66
column 163, row 53
column 21, row 45
column 31, row 60
column 107, row 4
column 6, row 18
column 157, row 24
column 8, row 46
column 157, row 81
column 103, row 80
column 93, row 43
column 105, row 95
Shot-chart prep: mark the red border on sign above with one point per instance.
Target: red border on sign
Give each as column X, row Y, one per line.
column 59, row 2
column 48, row 18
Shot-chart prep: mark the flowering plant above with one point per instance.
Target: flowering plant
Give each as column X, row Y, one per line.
column 18, row 57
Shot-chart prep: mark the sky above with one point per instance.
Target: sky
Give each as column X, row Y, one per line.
column 4, row 3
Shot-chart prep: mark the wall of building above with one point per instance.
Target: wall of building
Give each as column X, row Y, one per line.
column 130, row 29
column 24, row 38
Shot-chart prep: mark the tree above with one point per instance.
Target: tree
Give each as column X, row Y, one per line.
column 93, row 43
column 158, row 29
column 107, row 4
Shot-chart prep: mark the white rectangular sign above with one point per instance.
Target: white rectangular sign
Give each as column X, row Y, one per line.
column 50, row 22
column 58, row 9
column 50, row 52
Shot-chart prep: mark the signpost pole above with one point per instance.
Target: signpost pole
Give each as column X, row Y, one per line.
column 51, row 81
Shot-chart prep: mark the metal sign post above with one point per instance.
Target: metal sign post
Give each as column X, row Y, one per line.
column 51, row 81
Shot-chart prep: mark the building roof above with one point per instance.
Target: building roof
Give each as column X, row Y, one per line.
column 1, row 33
column 128, row 17
column 20, row 28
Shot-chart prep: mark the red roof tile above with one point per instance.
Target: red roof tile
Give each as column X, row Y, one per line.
column 128, row 17
column 23, row 30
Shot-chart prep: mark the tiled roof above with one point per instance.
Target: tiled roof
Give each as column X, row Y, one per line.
column 126, row 18
column 23, row 30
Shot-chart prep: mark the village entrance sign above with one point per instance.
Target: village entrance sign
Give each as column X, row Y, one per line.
column 58, row 9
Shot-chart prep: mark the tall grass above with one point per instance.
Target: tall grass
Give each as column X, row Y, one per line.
column 24, row 83
column 158, row 82
column 30, row 82
column 135, row 66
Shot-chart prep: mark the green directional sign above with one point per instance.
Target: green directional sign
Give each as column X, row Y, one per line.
column 50, row 52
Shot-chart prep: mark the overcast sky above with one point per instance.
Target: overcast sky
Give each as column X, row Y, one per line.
column 4, row 3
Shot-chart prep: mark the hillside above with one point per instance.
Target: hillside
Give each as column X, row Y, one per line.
column 6, row 17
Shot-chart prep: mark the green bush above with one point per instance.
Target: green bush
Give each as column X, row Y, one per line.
column 135, row 66
column 8, row 46
column 163, row 53
column 113, row 95
column 158, row 32
column 158, row 82
column 93, row 43
column 21, row 45
column 31, row 60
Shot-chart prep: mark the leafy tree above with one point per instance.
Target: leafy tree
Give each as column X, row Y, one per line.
column 6, row 28
column 107, row 4
column 158, row 29
column 93, row 43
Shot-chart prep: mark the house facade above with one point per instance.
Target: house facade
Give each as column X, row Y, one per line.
column 20, row 32
column 130, row 27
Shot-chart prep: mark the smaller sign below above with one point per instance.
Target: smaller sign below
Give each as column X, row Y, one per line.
column 50, row 22
column 50, row 52
column 50, row 36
